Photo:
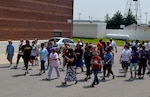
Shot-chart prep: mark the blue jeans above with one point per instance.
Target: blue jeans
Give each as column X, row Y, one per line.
column 95, row 76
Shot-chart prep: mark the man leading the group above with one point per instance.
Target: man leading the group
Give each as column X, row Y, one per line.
column 27, row 52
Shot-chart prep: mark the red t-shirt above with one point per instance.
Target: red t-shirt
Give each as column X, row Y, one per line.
column 96, row 59
column 99, row 45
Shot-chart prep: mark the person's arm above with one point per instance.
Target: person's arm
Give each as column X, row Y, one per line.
column 120, row 57
column 70, row 59
column 37, row 51
column 6, row 50
column 115, row 47
column 13, row 50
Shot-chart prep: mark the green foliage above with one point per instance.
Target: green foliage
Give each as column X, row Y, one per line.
column 130, row 19
column 118, row 19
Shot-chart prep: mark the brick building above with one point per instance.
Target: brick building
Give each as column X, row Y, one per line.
column 29, row 19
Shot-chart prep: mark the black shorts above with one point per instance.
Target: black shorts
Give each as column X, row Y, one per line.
column 125, row 64
column 32, row 57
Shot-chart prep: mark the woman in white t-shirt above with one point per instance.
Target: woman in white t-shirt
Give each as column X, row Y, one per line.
column 125, row 58
column 54, row 63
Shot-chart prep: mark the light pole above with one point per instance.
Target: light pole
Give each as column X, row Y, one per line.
column 146, row 18
column 90, row 19
column 80, row 15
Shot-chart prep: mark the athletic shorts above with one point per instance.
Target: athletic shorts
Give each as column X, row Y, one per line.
column 9, row 57
column 32, row 57
column 125, row 64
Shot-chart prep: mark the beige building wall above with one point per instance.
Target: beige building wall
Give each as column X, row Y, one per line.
column 89, row 30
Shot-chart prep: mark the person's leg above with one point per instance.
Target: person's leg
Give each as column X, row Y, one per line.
column 18, row 58
column 81, row 64
column 88, row 71
column 47, row 63
column 64, row 63
column 135, row 69
column 57, row 71
column 140, row 68
column 24, row 60
column 125, row 67
column 36, row 61
column 110, row 70
column 26, row 65
column 31, row 61
column 144, row 68
column 9, row 58
column 95, row 77
column 42, row 66
column 104, row 71
column 148, row 68
column 50, row 72
column 131, row 66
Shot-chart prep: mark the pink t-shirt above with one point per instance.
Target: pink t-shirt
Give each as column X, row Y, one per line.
column 54, row 63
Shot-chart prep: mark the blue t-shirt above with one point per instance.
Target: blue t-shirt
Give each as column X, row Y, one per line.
column 108, row 56
column 43, row 54
column 134, row 57
column 10, row 49
column 49, row 49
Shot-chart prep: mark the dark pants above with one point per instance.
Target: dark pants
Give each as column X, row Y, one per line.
column 104, row 69
column 96, row 71
column 26, row 62
column 18, row 58
column 142, row 65
column 88, row 72
column 42, row 65
column 109, row 68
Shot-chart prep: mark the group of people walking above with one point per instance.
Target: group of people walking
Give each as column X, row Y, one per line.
column 136, row 54
column 96, row 58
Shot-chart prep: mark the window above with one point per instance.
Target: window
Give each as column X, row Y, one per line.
column 57, row 33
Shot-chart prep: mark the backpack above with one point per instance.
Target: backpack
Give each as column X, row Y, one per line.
column 144, row 54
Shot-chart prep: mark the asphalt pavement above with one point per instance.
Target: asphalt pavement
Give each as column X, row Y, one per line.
column 13, row 83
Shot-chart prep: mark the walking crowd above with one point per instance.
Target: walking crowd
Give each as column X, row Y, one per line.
column 96, row 58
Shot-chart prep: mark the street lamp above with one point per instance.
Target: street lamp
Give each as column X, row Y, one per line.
column 90, row 19
column 146, row 17
column 80, row 15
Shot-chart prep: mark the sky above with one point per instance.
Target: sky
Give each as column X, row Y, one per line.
column 97, row 9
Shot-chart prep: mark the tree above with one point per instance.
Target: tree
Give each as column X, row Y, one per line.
column 107, row 18
column 130, row 19
column 115, row 21
column 118, row 19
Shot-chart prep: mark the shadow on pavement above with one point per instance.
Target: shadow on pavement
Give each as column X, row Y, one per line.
column 105, row 80
column 18, row 75
column 82, row 80
column 121, row 76
column 129, row 80
column 16, row 68
column 49, row 80
column 89, row 86
column 35, row 75
column 64, row 86
column 4, row 66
